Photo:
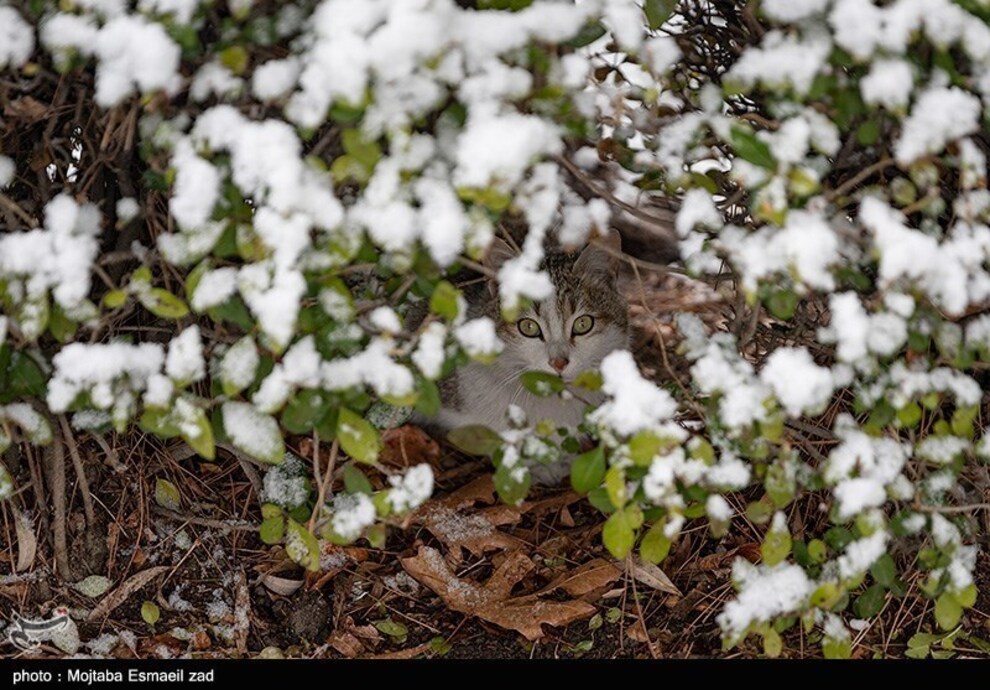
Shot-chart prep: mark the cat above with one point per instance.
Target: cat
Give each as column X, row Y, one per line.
column 570, row 332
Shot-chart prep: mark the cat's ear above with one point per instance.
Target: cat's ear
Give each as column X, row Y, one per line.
column 499, row 251
column 602, row 256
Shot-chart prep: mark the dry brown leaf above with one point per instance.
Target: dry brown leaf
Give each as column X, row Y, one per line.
column 637, row 632
column 472, row 531
column 651, row 576
column 281, row 585
column 345, row 643
column 201, row 641
column 589, row 577
column 27, row 544
column 492, row 601
column 126, row 589
column 408, row 445
column 163, row 646
column 26, row 108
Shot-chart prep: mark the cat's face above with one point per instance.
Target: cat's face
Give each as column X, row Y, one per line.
column 573, row 329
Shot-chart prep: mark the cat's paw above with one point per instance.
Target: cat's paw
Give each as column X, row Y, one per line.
column 550, row 475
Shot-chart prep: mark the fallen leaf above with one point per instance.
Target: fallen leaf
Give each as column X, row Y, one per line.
column 472, row 531
column 637, row 633
column 66, row 638
column 162, row 646
column 201, row 641
column 589, row 577
column 346, row 643
column 25, row 108
column 408, row 445
column 93, row 586
column 492, row 601
column 120, row 595
column 242, row 613
column 651, row 576
column 281, row 585
column 27, row 543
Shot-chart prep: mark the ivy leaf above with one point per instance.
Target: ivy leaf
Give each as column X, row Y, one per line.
column 358, row 438
column 588, row 470
column 772, row 644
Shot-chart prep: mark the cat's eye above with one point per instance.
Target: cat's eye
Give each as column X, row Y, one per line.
column 529, row 328
column 582, row 325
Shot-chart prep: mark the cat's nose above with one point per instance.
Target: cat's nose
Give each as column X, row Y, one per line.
column 559, row 363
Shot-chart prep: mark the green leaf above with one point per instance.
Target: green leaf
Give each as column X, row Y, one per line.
column 589, row 380
column 253, row 432
column 301, row 546
column 541, row 383
column 817, row 550
column 588, row 34
column 355, row 481
column 62, row 328
column 947, row 611
column 150, row 612
column 750, row 148
column 235, row 58
column 114, row 299
column 304, row 410
column 600, row 500
column 868, row 133
column 658, row 11
column 595, row 622
column 783, row 303
column 615, row 485
column 358, row 438
column 159, row 422
column 392, row 628
column 167, row 495
column 772, row 644
column 870, row 602
column 444, row 300
column 655, row 545
column 836, row 649
column 966, row 597
column 776, row 546
column 588, row 470
column 618, row 535
column 475, row 439
column 884, row 570
column 428, row 400
column 198, row 433
column 272, row 529
column 510, row 489
column 163, row 303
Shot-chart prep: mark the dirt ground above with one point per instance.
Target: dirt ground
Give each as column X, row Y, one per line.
column 467, row 577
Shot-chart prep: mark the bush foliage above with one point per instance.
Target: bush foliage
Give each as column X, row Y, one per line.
column 219, row 218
